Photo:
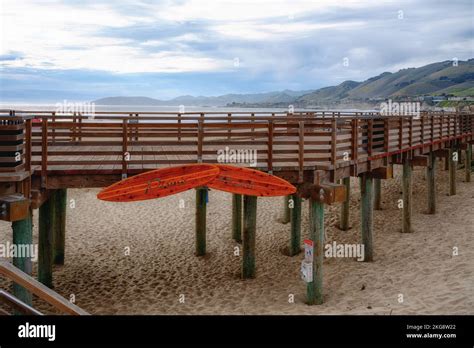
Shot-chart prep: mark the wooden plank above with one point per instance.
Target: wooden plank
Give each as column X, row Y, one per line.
column 21, row 278
column 19, row 306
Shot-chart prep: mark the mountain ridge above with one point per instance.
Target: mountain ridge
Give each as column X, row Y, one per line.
column 432, row 79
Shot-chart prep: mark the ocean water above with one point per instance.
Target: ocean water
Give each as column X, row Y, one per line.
column 170, row 109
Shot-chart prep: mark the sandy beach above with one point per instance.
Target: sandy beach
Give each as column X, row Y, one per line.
column 138, row 258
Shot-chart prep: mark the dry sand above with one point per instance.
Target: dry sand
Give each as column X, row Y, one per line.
column 161, row 266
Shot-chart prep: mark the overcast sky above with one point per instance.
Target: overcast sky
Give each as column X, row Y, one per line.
column 80, row 50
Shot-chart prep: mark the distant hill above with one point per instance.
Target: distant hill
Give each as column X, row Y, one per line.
column 433, row 79
column 270, row 97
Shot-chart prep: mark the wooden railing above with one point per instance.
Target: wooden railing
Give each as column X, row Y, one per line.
column 128, row 142
column 43, row 292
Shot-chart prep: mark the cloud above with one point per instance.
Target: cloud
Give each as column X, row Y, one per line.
column 135, row 45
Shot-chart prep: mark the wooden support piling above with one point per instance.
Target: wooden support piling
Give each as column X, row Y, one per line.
column 407, row 196
column 60, row 226
column 377, row 194
column 23, row 235
column 201, row 207
column 467, row 162
column 366, row 218
column 345, row 206
column 46, row 239
column 237, row 217
column 286, row 210
column 295, row 234
column 248, row 237
column 314, row 290
column 452, row 171
column 431, row 181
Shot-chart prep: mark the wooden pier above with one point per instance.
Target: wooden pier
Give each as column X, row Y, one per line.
column 42, row 154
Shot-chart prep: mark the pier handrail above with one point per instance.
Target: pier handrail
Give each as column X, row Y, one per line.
column 43, row 292
column 15, row 304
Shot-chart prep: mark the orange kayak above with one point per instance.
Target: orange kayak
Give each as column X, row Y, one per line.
column 249, row 182
column 159, row 183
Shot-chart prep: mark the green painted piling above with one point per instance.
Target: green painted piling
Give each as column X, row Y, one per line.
column 23, row 236
column 248, row 237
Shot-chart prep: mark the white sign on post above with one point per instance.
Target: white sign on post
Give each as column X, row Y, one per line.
column 308, row 250
column 307, row 271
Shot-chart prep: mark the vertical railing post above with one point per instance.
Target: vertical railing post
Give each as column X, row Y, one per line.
column 80, row 127
column 270, row 147
column 53, row 129
column 301, row 151
column 355, row 140
column 44, row 151
column 333, row 142
column 125, row 154
column 229, row 123
column 179, row 126
column 400, row 133
column 200, row 139
column 28, row 145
